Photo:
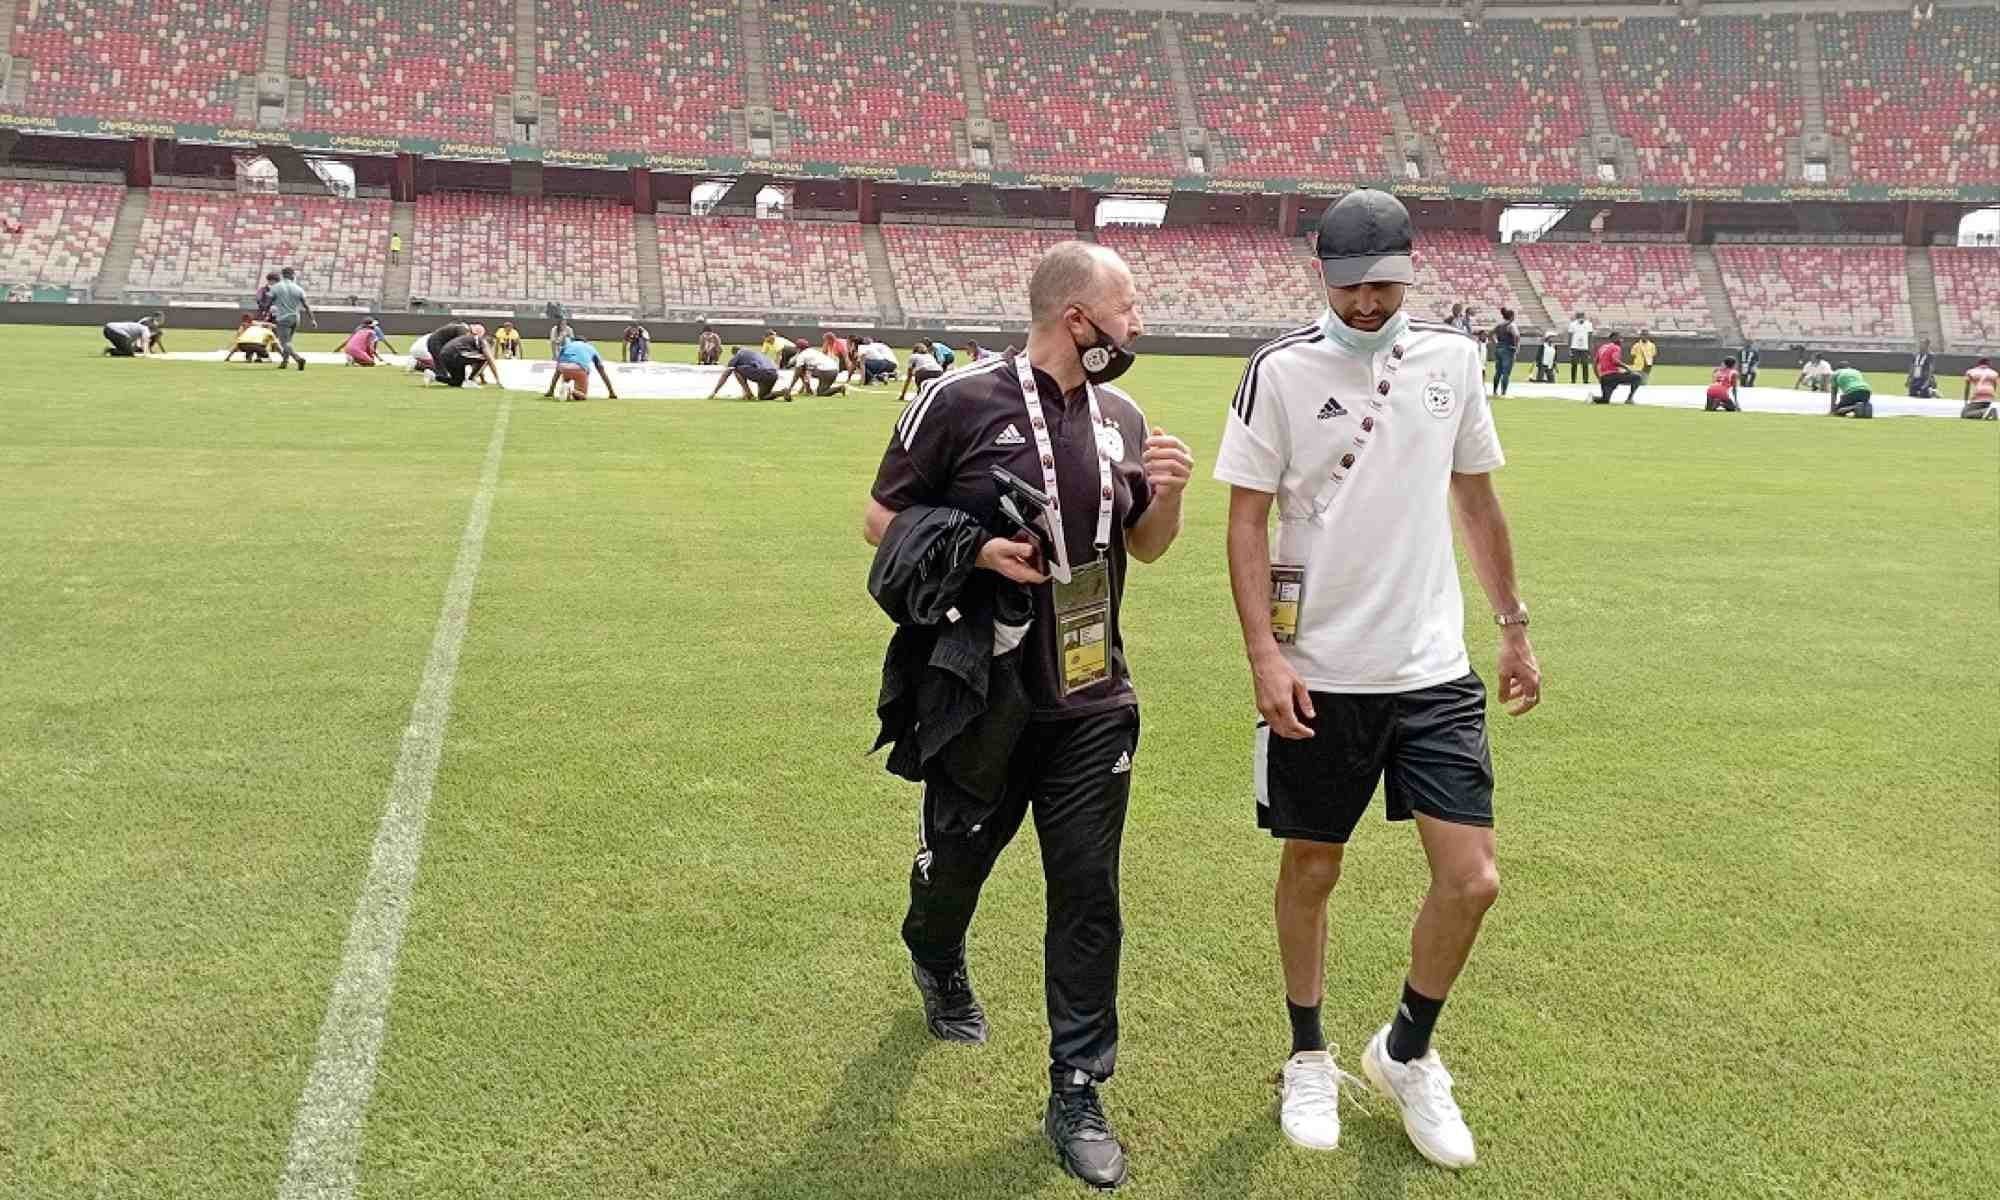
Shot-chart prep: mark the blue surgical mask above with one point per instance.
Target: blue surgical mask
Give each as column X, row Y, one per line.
column 1362, row 341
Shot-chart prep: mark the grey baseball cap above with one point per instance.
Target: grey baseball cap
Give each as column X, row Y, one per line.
column 1364, row 237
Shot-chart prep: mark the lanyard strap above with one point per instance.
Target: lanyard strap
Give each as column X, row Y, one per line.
column 1385, row 364
column 1046, row 449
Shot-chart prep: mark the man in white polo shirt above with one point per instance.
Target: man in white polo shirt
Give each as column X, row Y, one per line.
column 1367, row 428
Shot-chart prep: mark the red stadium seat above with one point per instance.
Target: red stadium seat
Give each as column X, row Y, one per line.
column 1502, row 99
column 1707, row 107
column 1915, row 104
column 1081, row 90
column 169, row 60
column 953, row 272
column 1293, row 98
column 1968, row 286
column 1219, row 275
column 716, row 266
column 1622, row 286
column 416, row 68
column 473, row 248
column 218, row 245
column 867, row 81
column 1839, row 294
column 646, row 77
column 64, row 231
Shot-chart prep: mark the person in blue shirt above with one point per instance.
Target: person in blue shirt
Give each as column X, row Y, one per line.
column 573, row 364
column 747, row 367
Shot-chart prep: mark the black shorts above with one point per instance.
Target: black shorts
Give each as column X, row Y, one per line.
column 1431, row 745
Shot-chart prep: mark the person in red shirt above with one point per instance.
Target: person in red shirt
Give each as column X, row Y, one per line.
column 1612, row 371
column 1722, row 389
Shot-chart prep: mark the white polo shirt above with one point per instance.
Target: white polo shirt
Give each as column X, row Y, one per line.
column 1579, row 334
column 1359, row 453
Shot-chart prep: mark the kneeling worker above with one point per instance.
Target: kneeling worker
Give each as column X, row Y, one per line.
column 747, row 367
column 133, row 339
column 255, row 340
column 465, row 358
column 1852, row 397
column 572, row 372
column 363, row 347
column 820, row 367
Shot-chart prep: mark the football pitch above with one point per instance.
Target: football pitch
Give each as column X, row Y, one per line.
column 1746, row 946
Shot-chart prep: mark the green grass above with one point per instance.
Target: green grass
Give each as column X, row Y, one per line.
column 1746, row 946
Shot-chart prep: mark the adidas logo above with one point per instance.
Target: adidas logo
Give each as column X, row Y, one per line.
column 1123, row 765
column 1331, row 409
column 1009, row 436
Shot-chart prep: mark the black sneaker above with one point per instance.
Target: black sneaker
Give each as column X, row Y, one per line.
column 302, row 364
column 1077, row 1127
column 950, row 1008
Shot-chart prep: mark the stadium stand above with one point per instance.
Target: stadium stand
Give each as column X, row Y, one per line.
column 1845, row 295
column 218, row 245
column 474, row 248
column 1621, row 286
column 650, row 77
column 1501, row 100
column 1709, row 109
column 946, row 272
column 1915, row 104
column 1968, row 286
column 1294, row 98
column 715, row 266
column 1218, row 275
column 871, row 82
column 172, row 60
column 64, row 229
column 1457, row 266
column 1080, row 90
column 412, row 68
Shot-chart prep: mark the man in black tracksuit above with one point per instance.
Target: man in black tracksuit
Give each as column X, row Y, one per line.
column 1058, row 426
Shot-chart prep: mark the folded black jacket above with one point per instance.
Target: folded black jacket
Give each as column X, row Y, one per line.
column 947, row 703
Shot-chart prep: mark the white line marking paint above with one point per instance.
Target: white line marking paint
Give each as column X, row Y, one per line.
column 322, row 1163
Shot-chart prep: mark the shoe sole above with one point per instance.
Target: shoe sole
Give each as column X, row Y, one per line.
column 1382, row 1088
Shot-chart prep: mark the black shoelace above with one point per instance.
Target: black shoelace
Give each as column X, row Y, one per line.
column 1080, row 1114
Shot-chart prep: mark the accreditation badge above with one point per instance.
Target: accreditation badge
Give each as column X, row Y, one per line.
column 1083, row 626
column 1288, row 592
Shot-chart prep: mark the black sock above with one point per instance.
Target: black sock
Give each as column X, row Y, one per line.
column 1410, row 1032
column 1306, row 1033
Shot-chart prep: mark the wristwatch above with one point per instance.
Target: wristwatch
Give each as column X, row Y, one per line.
column 1517, row 617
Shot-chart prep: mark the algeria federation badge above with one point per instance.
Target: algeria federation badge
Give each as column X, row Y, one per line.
column 1439, row 398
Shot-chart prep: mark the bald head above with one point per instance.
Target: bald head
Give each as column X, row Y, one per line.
column 1073, row 272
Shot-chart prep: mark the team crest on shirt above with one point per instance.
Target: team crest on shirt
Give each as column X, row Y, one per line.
column 1439, row 398
column 1111, row 442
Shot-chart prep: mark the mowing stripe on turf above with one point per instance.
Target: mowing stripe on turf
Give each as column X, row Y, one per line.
column 326, row 1135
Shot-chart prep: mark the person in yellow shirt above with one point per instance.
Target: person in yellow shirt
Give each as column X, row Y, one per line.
column 1642, row 355
column 770, row 345
column 508, row 339
column 253, row 339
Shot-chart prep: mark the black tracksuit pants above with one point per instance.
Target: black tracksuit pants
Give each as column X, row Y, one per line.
column 1076, row 776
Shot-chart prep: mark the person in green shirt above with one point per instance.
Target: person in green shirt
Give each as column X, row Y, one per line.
column 1851, row 395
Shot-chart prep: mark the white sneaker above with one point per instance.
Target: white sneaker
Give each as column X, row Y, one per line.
column 1421, row 1092
column 1309, row 1100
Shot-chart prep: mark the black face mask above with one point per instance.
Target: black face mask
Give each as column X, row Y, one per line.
column 1103, row 360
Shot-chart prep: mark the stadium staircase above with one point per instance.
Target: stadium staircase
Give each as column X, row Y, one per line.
column 1624, row 156
column 756, row 77
column 1727, row 327
column 396, row 277
column 1169, row 35
column 1923, row 295
column 646, row 248
column 881, row 275
column 111, row 278
column 1532, row 310
column 13, row 75
column 1406, row 137
column 972, row 85
column 525, row 100
column 1812, row 109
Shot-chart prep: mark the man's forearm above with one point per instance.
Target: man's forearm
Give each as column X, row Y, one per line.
column 1156, row 531
column 1490, row 546
column 1250, row 586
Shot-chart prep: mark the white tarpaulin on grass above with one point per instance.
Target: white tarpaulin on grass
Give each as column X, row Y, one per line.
column 1780, row 400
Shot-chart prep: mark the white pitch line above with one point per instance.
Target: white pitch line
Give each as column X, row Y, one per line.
column 326, row 1135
